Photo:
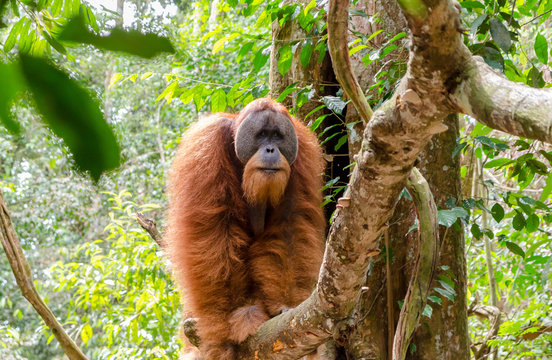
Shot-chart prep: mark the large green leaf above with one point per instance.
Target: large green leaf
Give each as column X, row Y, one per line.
column 541, row 48
column 12, row 83
column 132, row 42
column 500, row 34
column 285, row 60
column 218, row 101
column 515, row 248
column 497, row 211
column 449, row 217
column 72, row 115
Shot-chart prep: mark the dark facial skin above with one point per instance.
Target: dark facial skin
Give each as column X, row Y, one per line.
column 269, row 132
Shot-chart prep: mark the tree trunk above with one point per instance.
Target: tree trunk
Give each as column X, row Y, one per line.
column 371, row 336
column 445, row 336
column 321, row 76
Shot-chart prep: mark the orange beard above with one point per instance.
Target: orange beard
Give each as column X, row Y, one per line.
column 261, row 187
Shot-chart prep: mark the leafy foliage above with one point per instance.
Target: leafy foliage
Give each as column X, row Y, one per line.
column 123, row 302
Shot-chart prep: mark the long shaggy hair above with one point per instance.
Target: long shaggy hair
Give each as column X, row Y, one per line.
column 231, row 278
column 260, row 187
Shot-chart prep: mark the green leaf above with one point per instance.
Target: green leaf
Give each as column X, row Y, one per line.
column 12, row 84
column 25, row 37
column 72, row 115
column 435, row 299
column 500, row 34
column 493, row 58
column 537, row 166
column 480, row 130
column 476, row 231
column 458, row 149
column 218, row 101
column 477, row 23
column 374, row 34
column 245, row 49
column 306, row 53
column 532, row 223
column 428, row 311
column 518, row 222
column 541, row 48
column 468, row 203
column 334, row 103
column 321, row 48
column 397, row 37
column 132, row 42
column 199, row 98
column 56, row 7
column 309, row 7
column 285, row 60
column 288, row 90
column 498, row 163
column 357, row 49
column 547, row 188
column 89, row 17
column 55, row 44
column 449, row 217
column 449, row 295
column 86, row 333
column 497, row 211
column 260, row 60
column 342, row 140
column 318, row 121
column 491, row 142
column 219, row 45
column 526, row 204
column 447, row 280
column 513, row 247
column 387, row 50
column 68, row 9
column 14, row 33
column 168, row 93
column 472, row 5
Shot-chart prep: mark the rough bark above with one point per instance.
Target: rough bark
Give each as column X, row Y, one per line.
column 503, row 105
column 338, row 17
column 442, row 172
column 424, row 269
column 391, row 22
column 445, row 335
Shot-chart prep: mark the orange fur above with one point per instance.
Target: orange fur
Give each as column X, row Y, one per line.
column 260, row 187
column 231, row 279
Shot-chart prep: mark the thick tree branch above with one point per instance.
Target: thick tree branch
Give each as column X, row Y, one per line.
column 338, row 21
column 426, row 262
column 23, row 276
column 504, row 105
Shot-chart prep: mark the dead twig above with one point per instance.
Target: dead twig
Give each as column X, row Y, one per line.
column 151, row 227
